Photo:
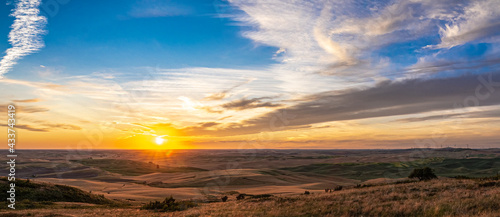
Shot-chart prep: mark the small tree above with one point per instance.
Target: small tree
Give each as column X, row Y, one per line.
column 423, row 174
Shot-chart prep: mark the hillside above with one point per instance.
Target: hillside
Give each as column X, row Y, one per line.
column 30, row 194
column 443, row 197
column 446, row 197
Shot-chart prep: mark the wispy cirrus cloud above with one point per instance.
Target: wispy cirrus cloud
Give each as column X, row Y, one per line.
column 225, row 93
column 25, row 109
column 27, row 100
column 45, row 86
column 26, row 34
column 27, row 127
column 47, row 127
column 491, row 114
column 242, row 104
column 479, row 21
column 344, row 39
column 392, row 98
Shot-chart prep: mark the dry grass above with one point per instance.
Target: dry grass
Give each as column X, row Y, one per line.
column 445, row 197
column 434, row 198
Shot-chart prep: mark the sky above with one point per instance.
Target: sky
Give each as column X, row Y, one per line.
column 240, row 74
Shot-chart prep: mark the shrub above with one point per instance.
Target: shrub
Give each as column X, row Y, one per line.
column 240, row 197
column 423, row 174
column 169, row 205
column 224, row 199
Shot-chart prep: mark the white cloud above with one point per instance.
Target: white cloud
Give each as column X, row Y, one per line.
column 26, row 34
column 144, row 94
column 321, row 46
column 341, row 39
column 290, row 26
column 480, row 20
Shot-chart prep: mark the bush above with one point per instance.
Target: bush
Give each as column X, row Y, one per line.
column 169, row 205
column 423, row 174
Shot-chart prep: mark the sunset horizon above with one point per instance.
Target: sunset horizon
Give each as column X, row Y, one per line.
column 237, row 74
column 317, row 108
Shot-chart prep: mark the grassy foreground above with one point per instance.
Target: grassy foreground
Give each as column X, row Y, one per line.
column 444, row 197
column 448, row 197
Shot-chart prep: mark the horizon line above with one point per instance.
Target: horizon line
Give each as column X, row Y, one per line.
column 69, row 149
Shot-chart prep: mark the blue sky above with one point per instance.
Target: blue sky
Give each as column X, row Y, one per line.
column 180, row 34
column 221, row 70
column 128, row 34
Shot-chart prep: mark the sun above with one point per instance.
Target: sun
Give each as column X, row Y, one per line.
column 159, row 140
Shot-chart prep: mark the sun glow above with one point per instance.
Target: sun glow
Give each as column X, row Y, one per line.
column 159, row 140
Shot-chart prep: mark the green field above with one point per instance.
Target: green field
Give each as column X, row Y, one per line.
column 442, row 167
